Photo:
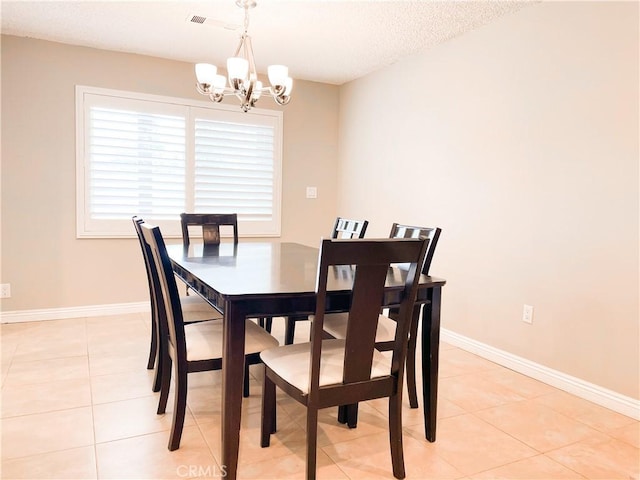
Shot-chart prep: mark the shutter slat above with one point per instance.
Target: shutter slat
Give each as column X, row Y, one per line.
column 137, row 161
column 234, row 169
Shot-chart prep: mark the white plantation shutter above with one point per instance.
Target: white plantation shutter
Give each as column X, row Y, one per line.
column 136, row 163
column 157, row 157
column 234, row 166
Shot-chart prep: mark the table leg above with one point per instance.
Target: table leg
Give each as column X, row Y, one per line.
column 430, row 354
column 232, row 376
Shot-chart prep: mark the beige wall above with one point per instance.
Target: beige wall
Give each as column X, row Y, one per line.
column 43, row 261
column 520, row 140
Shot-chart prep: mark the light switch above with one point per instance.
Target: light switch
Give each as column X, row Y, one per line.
column 312, row 192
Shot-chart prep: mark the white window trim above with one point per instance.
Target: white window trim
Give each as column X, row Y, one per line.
column 170, row 229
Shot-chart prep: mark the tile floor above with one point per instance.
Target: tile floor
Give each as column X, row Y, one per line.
column 77, row 403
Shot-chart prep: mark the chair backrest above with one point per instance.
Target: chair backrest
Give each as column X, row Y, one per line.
column 210, row 223
column 346, row 228
column 409, row 231
column 369, row 261
column 169, row 309
column 146, row 255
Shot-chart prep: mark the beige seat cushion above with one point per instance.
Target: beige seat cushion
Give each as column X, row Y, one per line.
column 195, row 309
column 335, row 324
column 291, row 362
column 204, row 339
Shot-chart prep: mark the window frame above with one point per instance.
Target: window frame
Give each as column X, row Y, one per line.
column 86, row 228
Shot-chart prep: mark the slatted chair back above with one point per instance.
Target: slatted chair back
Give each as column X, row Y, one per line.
column 408, row 231
column 146, row 255
column 369, row 262
column 210, row 223
column 347, row 228
column 343, row 228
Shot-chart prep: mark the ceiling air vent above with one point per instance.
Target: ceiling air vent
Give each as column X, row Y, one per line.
column 202, row 20
column 197, row 19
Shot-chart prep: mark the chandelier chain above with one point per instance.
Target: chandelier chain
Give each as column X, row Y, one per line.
column 246, row 19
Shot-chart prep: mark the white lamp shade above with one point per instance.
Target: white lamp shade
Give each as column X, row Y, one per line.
column 288, row 85
column 205, row 73
column 277, row 74
column 237, row 67
column 219, row 82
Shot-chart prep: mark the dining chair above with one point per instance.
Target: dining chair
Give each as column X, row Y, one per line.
column 195, row 347
column 194, row 308
column 336, row 324
column 210, row 223
column 343, row 228
column 347, row 228
column 324, row 373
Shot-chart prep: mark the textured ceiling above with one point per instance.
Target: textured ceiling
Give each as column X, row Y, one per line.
column 324, row 41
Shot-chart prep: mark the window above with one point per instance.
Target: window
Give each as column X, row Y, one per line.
column 157, row 157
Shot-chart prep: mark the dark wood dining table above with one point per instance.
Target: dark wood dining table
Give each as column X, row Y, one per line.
column 269, row 279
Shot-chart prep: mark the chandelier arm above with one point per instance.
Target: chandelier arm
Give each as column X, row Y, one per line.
column 277, row 91
column 282, row 99
column 248, row 52
column 242, row 37
column 249, row 90
column 202, row 91
column 253, row 75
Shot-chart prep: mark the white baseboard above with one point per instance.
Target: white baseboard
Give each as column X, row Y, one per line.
column 607, row 398
column 589, row 391
column 19, row 316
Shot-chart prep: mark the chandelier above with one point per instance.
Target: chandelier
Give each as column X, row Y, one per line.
column 241, row 72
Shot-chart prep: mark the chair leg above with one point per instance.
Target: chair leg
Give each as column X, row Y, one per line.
column 395, row 435
column 164, row 369
column 245, row 391
column 179, row 409
column 411, row 372
column 160, row 367
column 153, row 349
column 342, row 414
column 352, row 415
column 266, row 323
column 411, row 381
column 268, row 425
column 348, row 414
column 157, row 377
column 312, row 437
column 289, row 330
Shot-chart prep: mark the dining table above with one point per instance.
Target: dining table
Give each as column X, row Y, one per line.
column 255, row 279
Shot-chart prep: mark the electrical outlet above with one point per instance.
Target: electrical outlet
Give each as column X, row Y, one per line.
column 527, row 314
column 312, row 192
column 5, row 290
